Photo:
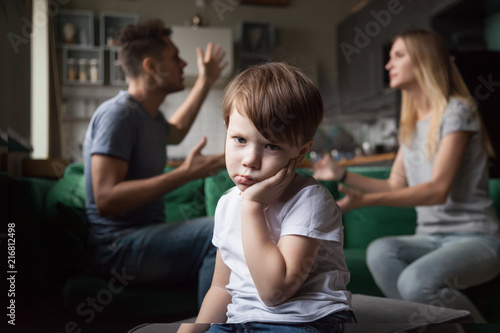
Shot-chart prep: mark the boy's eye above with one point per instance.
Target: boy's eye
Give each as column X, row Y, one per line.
column 239, row 140
column 272, row 147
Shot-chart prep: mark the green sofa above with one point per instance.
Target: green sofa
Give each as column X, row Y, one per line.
column 57, row 286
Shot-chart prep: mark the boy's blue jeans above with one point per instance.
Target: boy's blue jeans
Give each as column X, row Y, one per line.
column 161, row 254
column 333, row 323
column 432, row 269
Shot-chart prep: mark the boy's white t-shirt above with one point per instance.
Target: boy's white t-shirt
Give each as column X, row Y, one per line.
column 307, row 209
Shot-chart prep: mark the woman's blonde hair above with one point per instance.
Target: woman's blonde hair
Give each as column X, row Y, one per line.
column 439, row 79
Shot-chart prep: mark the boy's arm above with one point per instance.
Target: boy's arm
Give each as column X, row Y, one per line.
column 214, row 306
column 278, row 271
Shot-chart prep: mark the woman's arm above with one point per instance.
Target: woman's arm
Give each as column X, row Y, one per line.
column 327, row 169
column 433, row 192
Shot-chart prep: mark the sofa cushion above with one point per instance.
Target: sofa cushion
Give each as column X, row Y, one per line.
column 401, row 316
column 186, row 202
column 363, row 225
column 494, row 193
column 215, row 187
column 361, row 280
column 374, row 315
column 67, row 222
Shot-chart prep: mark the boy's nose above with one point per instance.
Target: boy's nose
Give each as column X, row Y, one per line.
column 251, row 159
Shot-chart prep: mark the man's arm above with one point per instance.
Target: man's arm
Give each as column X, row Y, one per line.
column 113, row 195
column 210, row 66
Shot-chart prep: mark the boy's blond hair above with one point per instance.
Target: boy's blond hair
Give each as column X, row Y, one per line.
column 280, row 101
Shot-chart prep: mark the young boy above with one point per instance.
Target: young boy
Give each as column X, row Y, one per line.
column 280, row 262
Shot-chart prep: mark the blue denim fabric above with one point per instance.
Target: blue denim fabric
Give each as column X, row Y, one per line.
column 161, row 254
column 432, row 269
column 333, row 323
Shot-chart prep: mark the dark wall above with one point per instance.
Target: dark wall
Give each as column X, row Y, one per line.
column 15, row 61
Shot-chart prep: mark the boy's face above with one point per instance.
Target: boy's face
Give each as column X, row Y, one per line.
column 251, row 158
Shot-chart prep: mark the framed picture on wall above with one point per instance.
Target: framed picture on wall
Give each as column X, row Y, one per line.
column 257, row 37
column 265, row 2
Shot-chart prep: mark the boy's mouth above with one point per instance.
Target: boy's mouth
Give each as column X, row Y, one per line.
column 246, row 180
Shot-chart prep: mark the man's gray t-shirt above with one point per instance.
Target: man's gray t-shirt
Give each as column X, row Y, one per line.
column 122, row 129
column 468, row 209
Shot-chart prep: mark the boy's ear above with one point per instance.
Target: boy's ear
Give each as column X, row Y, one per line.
column 303, row 151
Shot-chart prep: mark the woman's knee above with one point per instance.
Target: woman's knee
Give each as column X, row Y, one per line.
column 416, row 284
column 379, row 250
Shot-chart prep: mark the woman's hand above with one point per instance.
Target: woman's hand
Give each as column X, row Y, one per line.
column 211, row 64
column 327, row 169
column 353, row 198
column 268, row 190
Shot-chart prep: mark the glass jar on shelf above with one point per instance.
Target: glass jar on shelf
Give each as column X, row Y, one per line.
column 119, row 75
column 94, row 70
column 83, row 70
column 71, row 69
column 110, row 35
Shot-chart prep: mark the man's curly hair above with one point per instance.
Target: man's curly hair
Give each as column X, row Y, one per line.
column 141, row 40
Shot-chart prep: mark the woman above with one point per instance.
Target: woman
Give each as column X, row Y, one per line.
column 441, row 169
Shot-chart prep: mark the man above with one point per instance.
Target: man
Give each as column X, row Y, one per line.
column 125, row 155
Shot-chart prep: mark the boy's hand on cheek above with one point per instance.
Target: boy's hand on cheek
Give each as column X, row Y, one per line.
column 268, row 190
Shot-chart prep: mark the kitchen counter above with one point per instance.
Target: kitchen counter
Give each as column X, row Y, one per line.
column 378, row 159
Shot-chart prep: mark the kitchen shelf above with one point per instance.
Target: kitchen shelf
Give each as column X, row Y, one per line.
column 116, row 73
column 72, row 75
column 81, row 22
column 111, row 24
